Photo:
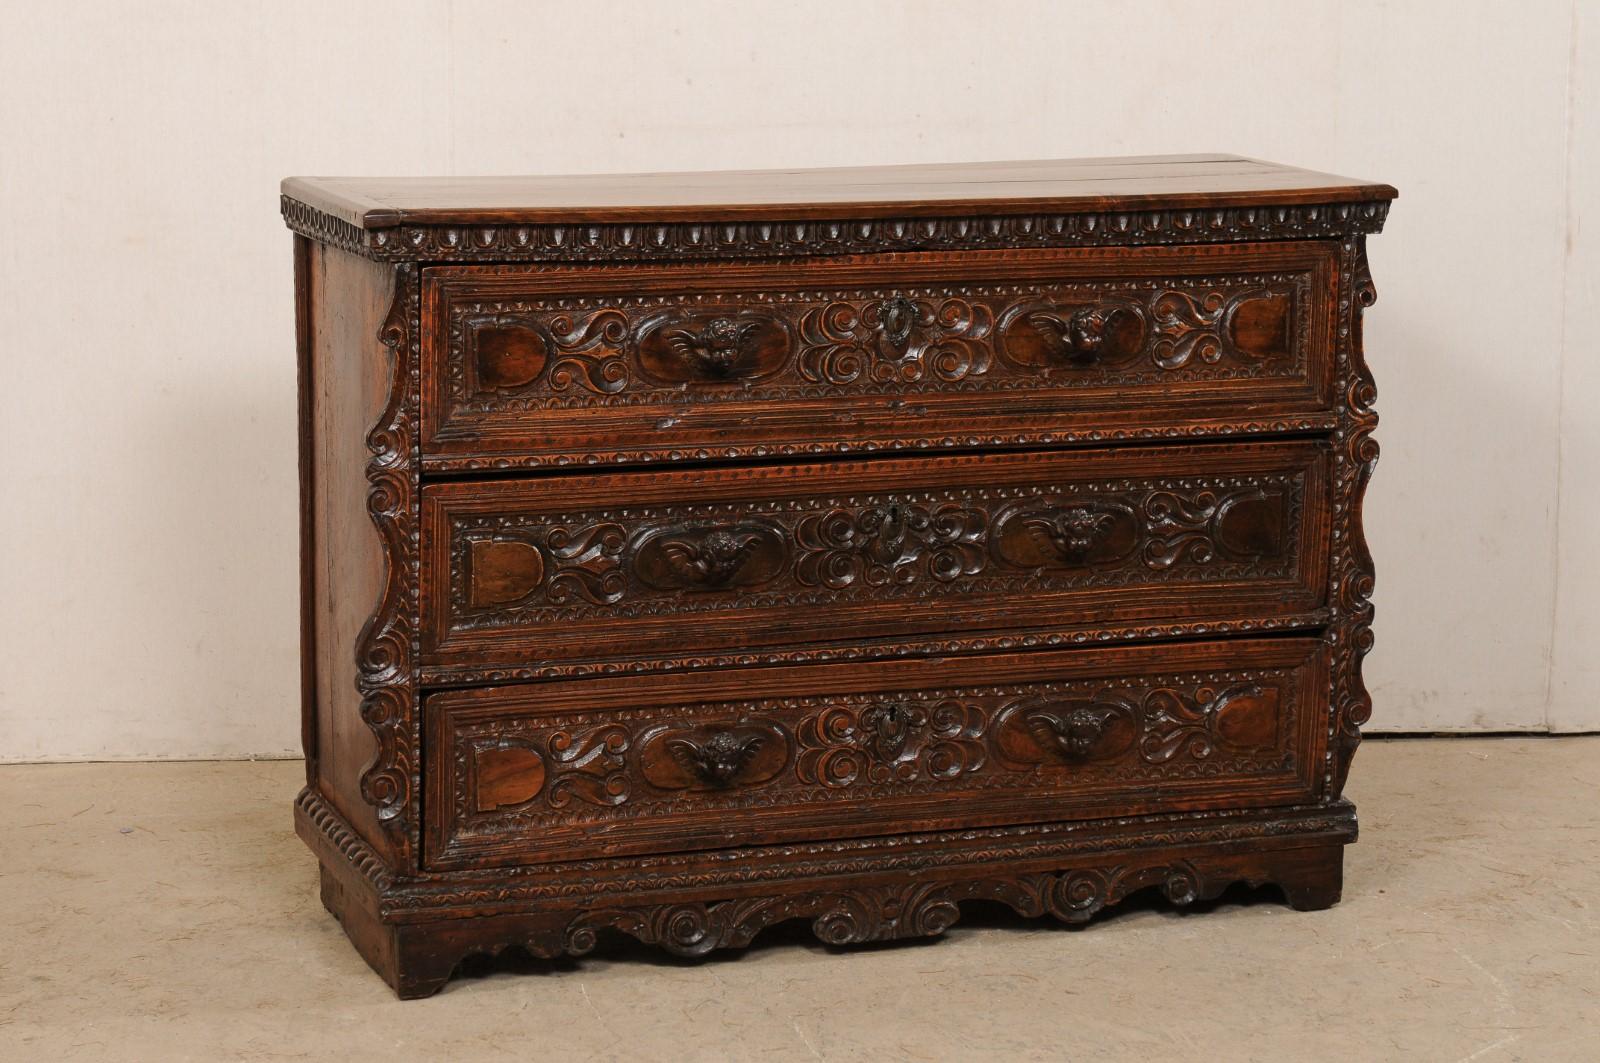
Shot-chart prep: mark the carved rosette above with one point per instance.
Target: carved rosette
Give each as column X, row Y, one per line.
column 386, row 649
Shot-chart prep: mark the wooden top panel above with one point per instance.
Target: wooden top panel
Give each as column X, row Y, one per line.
column 1157, row 182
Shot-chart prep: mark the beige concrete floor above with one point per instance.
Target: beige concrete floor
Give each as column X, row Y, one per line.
column 167, row 912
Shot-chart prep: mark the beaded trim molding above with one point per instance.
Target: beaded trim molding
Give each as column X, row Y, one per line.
column 622, row 242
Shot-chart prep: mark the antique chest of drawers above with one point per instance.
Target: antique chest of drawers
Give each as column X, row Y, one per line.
column 684, row 554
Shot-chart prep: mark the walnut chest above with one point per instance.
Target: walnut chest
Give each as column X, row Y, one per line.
column 687, row 553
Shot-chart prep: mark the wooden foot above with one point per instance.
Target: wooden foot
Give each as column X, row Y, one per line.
column 1313, row 879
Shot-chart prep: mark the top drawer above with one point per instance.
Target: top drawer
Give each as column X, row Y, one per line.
column 535, row 365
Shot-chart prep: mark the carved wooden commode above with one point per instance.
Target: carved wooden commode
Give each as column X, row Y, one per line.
column 683, row 554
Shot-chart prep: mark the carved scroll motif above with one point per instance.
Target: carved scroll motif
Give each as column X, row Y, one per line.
column 891, row 741
column 894, row 339
column 896, row 543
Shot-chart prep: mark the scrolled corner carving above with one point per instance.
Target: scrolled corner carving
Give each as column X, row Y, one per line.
column 1352, row 576
column 589, row 766
column 384, row 649
column 588, row 352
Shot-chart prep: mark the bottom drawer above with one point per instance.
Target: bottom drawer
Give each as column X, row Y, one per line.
column 599, row 767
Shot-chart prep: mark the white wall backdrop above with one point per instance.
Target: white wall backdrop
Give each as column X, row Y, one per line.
column 147, row 424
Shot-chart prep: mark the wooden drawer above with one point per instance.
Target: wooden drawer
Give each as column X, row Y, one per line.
column 586, row 768
column 532, row 365
column 519, row 575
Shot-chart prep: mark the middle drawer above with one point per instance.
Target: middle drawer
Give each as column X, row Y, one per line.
column 523, row 576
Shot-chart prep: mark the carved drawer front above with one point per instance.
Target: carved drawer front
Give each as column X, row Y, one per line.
column 523, row 577
column 598, row 767
column 531, row 365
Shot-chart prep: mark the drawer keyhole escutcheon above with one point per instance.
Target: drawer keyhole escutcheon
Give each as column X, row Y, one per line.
column 890, row 725
column 897, row 316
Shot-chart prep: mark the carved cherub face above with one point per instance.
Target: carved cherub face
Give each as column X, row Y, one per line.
column 722, row 333
column 723, row 545
column 1083, row 730
column 1079, row 526
column 1075, row 734
column 1088, row 330
column 717, row 759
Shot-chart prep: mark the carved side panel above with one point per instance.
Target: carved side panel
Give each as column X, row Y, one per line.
column 647, row 773
column 358, row 398
column 386, row 651
column 1355, row 456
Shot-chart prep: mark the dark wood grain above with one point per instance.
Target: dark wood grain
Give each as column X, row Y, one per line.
column 684, row 554
column 1157, row 181
column 343, row 301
